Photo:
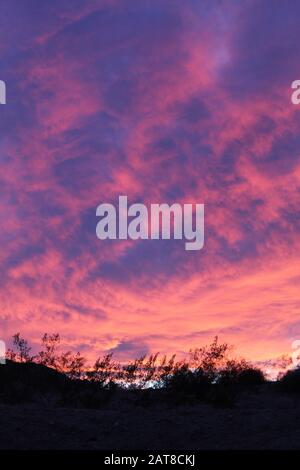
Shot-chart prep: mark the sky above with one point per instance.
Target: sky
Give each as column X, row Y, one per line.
column 162, row 101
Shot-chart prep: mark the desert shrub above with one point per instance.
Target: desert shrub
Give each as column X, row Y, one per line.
column 149, row 371
column 105, row 371
column 237, row 375
column 211, row 374
column 48, row 356
column 145, row 372
column 184, row 383
column 71, row 364
column 22, row 353
column 164, row 371
column 251, row 376
column 210, row 359
column 139, row 373
column 240, row 372
column 66, row 362
column 194, row 376
column 290, row 381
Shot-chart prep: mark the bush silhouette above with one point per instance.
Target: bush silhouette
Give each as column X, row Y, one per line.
column 251, row 377
column 22, row 353
column 186, row 382
column 240, row 373
column 290, row 382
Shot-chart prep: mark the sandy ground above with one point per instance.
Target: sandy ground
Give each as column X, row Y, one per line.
column 259, row 421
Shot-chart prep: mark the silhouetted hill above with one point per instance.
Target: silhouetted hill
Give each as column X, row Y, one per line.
column 22, row 382
column 31, row 373
column 35, row 383
column 41, row 408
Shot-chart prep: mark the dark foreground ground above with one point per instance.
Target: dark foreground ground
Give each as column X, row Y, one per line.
column 260, row 420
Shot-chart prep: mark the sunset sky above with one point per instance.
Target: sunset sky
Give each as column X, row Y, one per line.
column 162, row 101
